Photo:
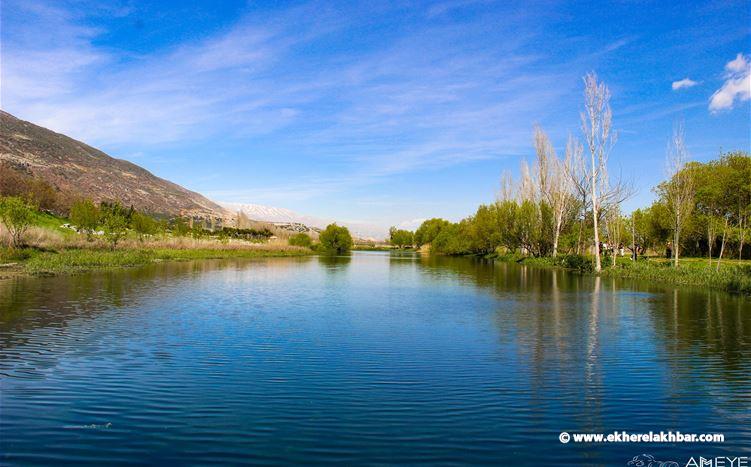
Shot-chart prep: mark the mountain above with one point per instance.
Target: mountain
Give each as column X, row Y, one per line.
column 76, row 169
column 272, row 214
column 285, row 216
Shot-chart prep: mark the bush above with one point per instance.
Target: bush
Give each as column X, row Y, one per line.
column 143, row 224
column 576, row 262
column 335, row 239
column 115, row 220
column 85, row 216
column 17, row 215
column 300, row 239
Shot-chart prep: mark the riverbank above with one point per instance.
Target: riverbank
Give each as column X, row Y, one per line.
column 733, row 275
column 75, row 260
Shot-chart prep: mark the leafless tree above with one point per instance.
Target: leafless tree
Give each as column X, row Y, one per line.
column 679, row 188
column 528, row 186
column 576, row 169
column 241, row 220
column 599, row 140
column 507, row 191
column 553, row 182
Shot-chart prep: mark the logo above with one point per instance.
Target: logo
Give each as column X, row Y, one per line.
column 741, row 461
column 648, row 460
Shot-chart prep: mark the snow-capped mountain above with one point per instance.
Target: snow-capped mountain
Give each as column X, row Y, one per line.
column 273, row 214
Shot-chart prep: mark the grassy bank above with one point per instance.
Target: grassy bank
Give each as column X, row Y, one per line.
column 380, row 248
column 56, row 249
column 367, row 247
column 733, row 275
column 67, row 261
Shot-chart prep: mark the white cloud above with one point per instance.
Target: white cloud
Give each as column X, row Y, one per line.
column 683, row 84
column 739, row 64
column 737, row 85
column 421, row 100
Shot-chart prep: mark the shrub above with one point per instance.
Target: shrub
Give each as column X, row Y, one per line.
column 336, row 239
column 115, row 221
column 17, row 215
column 300, row 239
column 85, row 215
column 143, row 224
column 576, row 262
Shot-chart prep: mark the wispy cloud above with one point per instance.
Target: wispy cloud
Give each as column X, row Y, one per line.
column 421, row 102
column 684, row 83
column 737, row 85
column 346, row 99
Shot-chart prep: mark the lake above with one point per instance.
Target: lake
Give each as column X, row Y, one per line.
column 374, row 358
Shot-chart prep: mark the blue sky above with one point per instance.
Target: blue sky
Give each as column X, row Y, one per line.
column 375, row 112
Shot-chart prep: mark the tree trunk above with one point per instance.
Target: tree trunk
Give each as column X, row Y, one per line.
column 676, row 238
column 633, row 238
column 595, row 209
column 557, row 236
column 743, row 237
column 722, row 245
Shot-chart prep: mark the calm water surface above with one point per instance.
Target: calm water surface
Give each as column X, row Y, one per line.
column 370, row 359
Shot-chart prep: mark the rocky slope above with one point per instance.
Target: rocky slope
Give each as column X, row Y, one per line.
column 77, row 169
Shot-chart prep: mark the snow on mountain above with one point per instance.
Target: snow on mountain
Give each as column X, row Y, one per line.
column 273, row 214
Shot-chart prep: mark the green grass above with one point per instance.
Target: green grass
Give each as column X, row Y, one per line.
column 733, row 275
column 79, row 260
column 49, row 221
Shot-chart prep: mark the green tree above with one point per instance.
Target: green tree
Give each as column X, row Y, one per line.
column 485, row 230
column 453, row 239
column 401, row 238
column 17, row 215
column 115, row 220
column 336, row 239
column 723, row 197
column 429, row 230
column 301, row 239
column 506, row 212
column 143, row 224
column 85, row 216
column 533, row 227
column 181, row 227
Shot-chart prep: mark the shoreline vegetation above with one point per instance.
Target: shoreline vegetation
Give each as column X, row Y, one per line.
column 77, row 260
column 109, row 236
column 735, row 276
column 561, row 211
column 60, row 250
column 567, row 211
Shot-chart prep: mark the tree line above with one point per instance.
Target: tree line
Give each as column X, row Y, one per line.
column 112, row 221
column 570, row 204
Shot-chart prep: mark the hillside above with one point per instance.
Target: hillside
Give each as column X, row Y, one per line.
column 76, row 169
column 289, row 219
